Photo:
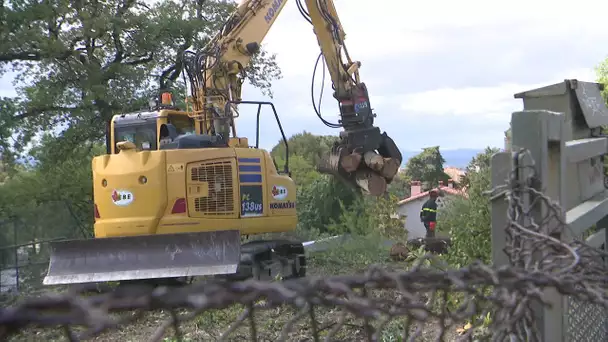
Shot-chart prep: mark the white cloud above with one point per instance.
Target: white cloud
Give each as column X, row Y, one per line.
column 377, row 29
column 380, row 33
column 476, row 103
column 480, row 104
column 435, row 62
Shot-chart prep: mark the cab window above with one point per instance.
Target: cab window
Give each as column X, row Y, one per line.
column 183, row 124
column 142, row 135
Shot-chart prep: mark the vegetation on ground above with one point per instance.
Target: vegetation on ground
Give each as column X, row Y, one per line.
column 350, row 257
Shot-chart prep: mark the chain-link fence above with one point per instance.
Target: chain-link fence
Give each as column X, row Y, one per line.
column 586, row 322
column 23, row 266
column 24, row 248
column 421, row 303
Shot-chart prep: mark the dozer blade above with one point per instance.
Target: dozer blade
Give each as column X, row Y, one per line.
column 143, row 257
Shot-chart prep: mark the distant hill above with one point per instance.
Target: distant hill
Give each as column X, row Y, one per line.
column 459, row 158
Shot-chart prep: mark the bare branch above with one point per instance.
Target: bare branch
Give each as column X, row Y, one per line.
column 22, row 56
column 140, row 61
column 40, row 110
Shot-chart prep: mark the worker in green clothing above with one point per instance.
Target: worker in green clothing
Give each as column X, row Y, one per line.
column 428, row 214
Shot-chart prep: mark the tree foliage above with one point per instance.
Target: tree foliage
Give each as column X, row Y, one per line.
column 427, row 167
column 78, row 62
column 325, row 204
column 400, row 187
column 54, row 198
column 468, row 218
column 371, row 216
column 322, row 202
column 482, row 161
column 321, row 198
column 601, row 72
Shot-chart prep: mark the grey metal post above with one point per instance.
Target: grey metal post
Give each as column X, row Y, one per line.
column 16, row 254
column 501, row 169
column 603, row 225
column 540, row 132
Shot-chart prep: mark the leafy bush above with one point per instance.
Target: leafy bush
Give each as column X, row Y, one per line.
column 352, row 255
column 321, row 202
column 468, row 219
column 371, row 216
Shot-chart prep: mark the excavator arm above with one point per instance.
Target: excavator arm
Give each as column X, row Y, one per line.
column 363, row 157
column 218, row 71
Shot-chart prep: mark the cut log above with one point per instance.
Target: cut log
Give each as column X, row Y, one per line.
column 330, row 163
column 399, row 252
column 370, row 182
column 350, row 162
column 373, row 160
column 390, row 168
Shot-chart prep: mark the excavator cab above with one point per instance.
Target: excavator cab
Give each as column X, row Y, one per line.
column 150, row 130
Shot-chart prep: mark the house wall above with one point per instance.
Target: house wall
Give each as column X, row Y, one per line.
column 411, row 211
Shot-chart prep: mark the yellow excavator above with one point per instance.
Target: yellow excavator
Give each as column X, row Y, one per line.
column 178, row 190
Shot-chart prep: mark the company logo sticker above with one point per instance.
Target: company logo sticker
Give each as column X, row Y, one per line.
column 279, row 192
column 272, row 11
column 122, row 198
column 283, row 205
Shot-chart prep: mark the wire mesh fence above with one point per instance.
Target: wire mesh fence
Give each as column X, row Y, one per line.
column 23, row 266
column 421, row 303
column 24, row 244
column 586, row 321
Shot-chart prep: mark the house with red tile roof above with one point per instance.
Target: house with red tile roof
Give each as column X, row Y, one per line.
column 455, row 173
column 409, row 208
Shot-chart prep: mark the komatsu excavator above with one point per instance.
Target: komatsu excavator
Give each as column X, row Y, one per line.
column 177, row 190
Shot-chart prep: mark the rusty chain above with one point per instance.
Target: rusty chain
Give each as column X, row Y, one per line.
column 426, row 302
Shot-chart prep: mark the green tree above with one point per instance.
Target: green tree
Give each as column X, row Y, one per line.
column 305, row 151
column 53, row 198
column 601, row 72
column 468, row 219
column 78, row 62
column 427, row 167
column 322, row 202
column 400, row 187
column 307, row 145
column 482, row 161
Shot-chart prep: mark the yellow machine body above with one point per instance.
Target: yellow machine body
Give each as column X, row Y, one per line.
column 163, row 213
column 141, row 192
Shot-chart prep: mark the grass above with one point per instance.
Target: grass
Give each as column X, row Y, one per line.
column 353, row 256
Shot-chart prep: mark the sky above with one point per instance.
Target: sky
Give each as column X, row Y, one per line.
column 438, row 72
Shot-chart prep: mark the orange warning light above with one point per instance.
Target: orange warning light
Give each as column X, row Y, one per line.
column 166, row 98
